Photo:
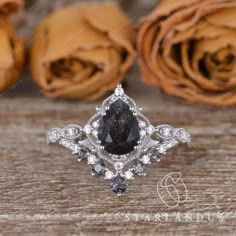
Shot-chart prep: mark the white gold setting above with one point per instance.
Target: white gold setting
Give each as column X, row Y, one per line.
column 153, row 142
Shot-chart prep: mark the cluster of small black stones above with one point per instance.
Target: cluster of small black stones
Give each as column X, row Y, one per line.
column 119, row 184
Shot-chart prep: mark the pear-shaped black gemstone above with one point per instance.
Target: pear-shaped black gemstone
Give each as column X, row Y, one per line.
column 119, row 129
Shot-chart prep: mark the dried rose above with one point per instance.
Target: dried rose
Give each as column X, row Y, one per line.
column 188, row 48
column 12, row 47
column 82, row 51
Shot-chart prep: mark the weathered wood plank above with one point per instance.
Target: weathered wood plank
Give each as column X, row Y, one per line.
column 45, row 191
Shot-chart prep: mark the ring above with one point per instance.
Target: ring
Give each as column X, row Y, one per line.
column 118, row 141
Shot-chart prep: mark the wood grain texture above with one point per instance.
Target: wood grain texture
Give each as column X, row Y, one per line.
column 45, row 191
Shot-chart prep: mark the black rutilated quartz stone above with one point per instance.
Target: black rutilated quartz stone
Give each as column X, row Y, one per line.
column 119, row 130
column 119, row 184
column 139, row 168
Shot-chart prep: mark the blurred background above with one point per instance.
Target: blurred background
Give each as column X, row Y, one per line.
column 36, row 10
column 187, row 54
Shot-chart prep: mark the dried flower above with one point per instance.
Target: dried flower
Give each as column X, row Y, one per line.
column 12, row 47
column 188, row 48
column 82, row 51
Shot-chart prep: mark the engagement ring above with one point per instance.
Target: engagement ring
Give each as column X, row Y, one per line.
column 118, row 141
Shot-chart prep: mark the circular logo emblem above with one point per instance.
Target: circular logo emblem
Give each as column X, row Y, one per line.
column 172, row 190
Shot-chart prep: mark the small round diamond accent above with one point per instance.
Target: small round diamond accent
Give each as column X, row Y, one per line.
column 150, row 129
column 109, row 174
column 119, row 92
column 142, row 133
column 53, row 135
column 142, row 124
column 95, row 133
column 129, row 174
column 72, row 131
column 162, row 150
column 118, row 166
column 183, row 136
column 95, row 124
column 92, row 159
column 165, row 131
column 146, row 159
column 88, row 129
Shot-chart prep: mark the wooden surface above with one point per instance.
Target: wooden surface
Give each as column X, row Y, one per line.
column 45, row 191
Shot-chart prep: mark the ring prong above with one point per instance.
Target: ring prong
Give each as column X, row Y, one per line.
column 93, row 150
column 144, row 150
